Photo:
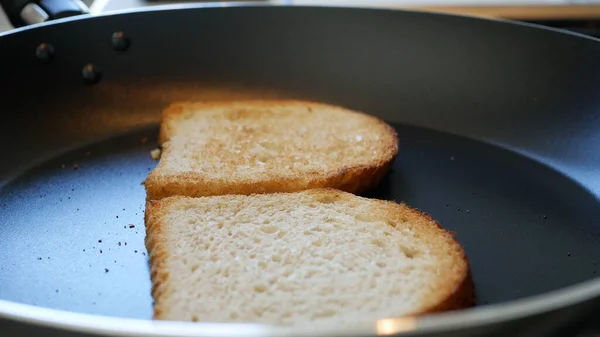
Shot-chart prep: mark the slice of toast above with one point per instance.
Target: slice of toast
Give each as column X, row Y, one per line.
column 246, row 147
column 314, row 256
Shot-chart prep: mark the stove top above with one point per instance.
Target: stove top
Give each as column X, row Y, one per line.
column 582, row 16
column 510, row 9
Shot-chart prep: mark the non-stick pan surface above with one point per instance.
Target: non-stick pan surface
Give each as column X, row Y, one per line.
column 498, row 126
column 77, row 234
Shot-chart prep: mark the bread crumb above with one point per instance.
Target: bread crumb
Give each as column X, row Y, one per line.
column 75, row 166
column 62, row 166
column 143, row 140
column 155, row 154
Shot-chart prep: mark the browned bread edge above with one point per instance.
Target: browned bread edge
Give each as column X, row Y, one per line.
column 157, row 253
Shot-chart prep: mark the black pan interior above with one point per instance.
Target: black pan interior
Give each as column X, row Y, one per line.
column 72, row 228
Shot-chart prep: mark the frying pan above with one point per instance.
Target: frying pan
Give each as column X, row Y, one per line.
column 499, row 126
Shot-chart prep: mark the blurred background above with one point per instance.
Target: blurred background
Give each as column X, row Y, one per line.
column 582, row 16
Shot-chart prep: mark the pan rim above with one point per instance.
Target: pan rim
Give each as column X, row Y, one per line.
column 435, row 323
column 459, row 320
column 284, row 4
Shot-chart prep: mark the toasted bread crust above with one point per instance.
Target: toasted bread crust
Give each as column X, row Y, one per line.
column 158, row 255
column 175, row 110
column 459, row 293
column 453, row 291
column 458, row 290
column 462, row 297
column 352, row 177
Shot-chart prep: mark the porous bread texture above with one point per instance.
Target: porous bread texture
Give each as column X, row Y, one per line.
column 319, row 256
column 258, row 146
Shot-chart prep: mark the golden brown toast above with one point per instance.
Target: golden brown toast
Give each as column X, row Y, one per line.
column 262, row 146
column 314, row 256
